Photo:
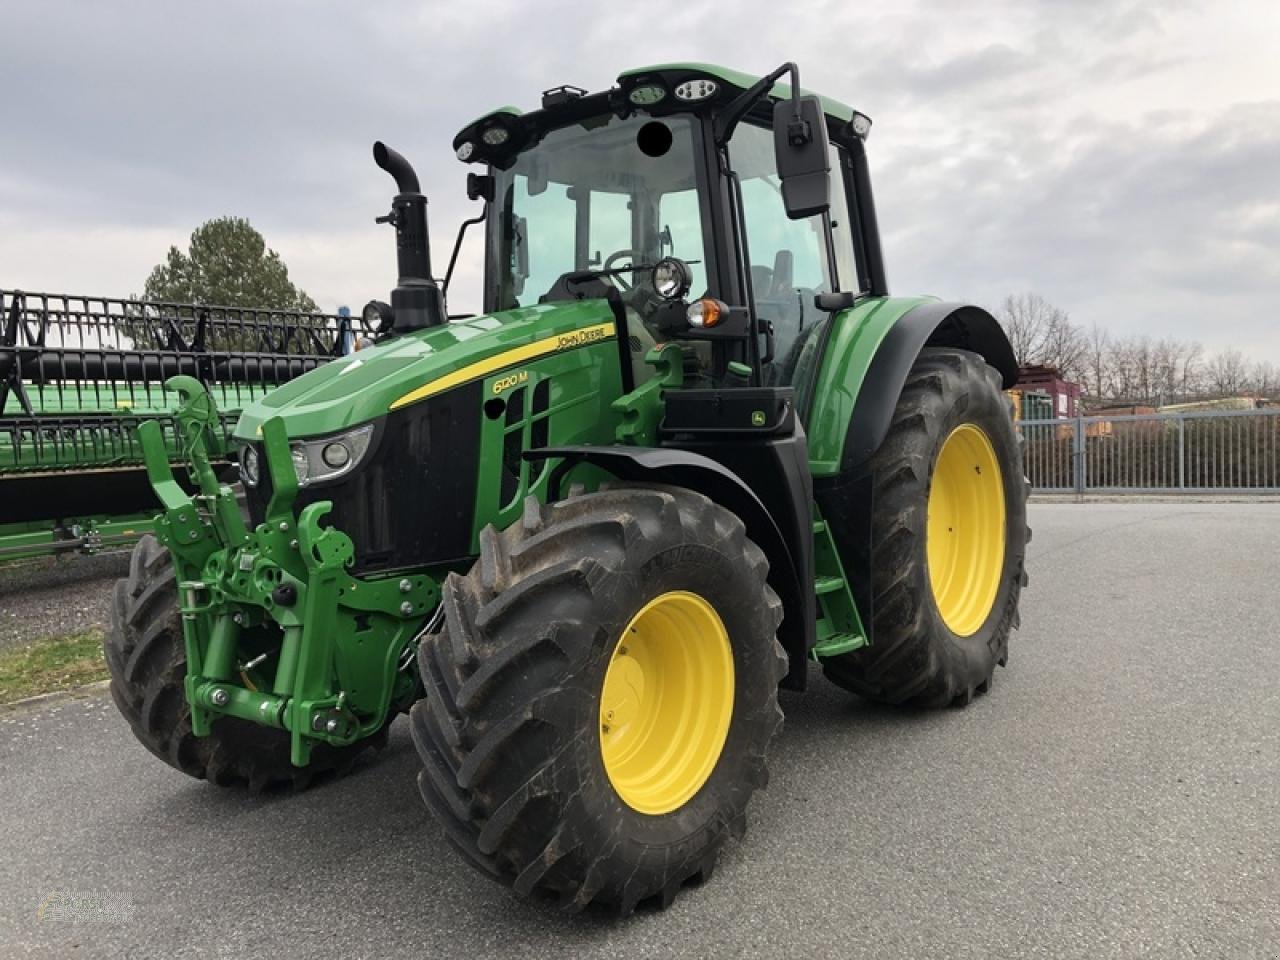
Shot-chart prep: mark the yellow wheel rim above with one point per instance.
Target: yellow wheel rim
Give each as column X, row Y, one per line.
column 666, row 702
column 966, row 529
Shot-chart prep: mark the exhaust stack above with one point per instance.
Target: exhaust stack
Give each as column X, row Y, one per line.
column 416, row 302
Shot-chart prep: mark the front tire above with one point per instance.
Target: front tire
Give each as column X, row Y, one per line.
column 948, row 538
column 551, row 737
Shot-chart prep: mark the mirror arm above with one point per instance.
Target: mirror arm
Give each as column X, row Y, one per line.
column 737, row 108
column 457, row 244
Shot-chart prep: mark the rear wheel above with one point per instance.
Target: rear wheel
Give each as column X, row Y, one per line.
column 601, row 696
column 948, row 539
column 146, row 657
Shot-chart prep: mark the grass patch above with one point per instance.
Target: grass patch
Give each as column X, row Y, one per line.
column 53, row 664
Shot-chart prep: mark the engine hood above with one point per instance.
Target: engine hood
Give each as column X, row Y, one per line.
column 366, row 385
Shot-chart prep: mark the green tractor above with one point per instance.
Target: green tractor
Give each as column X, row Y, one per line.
column 691, row 446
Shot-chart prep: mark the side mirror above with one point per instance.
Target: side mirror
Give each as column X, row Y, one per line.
column 804, row 163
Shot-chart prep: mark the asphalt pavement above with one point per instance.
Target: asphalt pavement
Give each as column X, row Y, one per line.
column 1116, row 795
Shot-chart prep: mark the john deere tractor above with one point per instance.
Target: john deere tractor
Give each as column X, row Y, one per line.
column 691, row 447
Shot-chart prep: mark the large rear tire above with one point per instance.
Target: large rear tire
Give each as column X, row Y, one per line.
column 601, row 696
column 948, row 539
column 146, row 657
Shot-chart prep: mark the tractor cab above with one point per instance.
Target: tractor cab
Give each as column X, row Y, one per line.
column 673, row 194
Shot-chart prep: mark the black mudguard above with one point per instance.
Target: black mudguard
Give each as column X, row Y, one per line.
column 782, row 529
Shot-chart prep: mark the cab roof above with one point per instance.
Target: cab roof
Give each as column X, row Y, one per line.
column 668, row 76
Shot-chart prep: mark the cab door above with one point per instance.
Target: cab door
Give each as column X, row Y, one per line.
column 788, row 258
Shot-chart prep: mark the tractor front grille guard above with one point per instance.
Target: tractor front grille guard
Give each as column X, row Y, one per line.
column 78, row 374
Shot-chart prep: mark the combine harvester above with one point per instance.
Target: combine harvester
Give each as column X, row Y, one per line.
column 79, row 374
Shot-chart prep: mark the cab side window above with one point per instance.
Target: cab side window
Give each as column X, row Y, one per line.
column 789, row 263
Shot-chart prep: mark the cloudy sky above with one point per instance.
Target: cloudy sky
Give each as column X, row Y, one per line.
column 1121, row 159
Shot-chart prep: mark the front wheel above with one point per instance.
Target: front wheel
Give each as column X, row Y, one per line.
column 948, row 539
column 599, row 702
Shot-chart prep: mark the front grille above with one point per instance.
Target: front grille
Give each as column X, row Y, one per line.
column 410, row 501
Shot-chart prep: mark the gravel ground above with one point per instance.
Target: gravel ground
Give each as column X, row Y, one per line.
column 1116, row 795
column 57, row 596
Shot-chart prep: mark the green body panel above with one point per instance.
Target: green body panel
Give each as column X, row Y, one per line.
column 362, row 386
column 736, row 78
column 581, row 385
column 856, row 335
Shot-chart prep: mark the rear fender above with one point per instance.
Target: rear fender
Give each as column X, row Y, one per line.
column 866, row 362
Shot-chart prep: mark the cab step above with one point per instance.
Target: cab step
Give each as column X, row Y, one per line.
column 839, row 627
column 824, row 585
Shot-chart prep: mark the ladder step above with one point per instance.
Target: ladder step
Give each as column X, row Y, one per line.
column 838, row 643
column 827, row 585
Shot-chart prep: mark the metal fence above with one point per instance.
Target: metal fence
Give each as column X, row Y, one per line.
column 1236, row 451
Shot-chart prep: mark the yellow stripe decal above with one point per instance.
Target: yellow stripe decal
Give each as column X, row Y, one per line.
column 530, row 351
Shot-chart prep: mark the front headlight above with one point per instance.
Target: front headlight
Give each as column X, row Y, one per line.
column 329, row 457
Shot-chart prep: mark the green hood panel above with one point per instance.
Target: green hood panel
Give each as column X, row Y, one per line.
column 363, row 386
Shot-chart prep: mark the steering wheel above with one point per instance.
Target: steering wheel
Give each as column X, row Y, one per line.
column 611, row 261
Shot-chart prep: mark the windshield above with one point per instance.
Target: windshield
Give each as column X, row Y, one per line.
column 598, row 196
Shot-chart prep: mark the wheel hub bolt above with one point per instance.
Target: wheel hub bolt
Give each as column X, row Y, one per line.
column 219, row 697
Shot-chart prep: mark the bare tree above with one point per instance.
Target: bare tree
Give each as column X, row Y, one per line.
column 1227, row 372
column 1096, row 373
column 1190, row 377
column 1042, row 333
column 1134, row 369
